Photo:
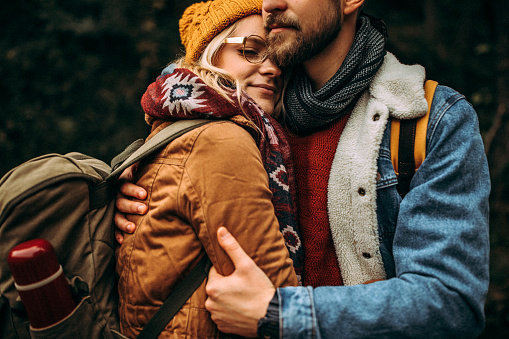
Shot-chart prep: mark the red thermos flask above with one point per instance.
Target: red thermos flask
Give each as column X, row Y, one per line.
column 40, row 282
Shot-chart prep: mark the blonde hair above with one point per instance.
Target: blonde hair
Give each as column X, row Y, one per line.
column 217, row 78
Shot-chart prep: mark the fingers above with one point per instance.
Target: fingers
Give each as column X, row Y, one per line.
column 127, row 206
column 210, row 289
column 119, row 237
column 131, row 190
column 233, row 249
column 237, row 302
column 123, row 224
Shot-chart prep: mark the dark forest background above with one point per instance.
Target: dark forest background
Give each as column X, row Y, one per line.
column 72, row 73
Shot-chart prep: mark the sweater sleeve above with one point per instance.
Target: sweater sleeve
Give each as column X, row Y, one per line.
column 225, row 184
column 441, row 251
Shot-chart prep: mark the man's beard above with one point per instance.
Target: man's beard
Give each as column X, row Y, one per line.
column 286, row 53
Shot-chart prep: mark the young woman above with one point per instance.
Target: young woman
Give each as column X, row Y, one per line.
column 231, row 172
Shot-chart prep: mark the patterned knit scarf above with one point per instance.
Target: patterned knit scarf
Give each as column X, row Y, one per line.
column 183, row 95
column 308, row 111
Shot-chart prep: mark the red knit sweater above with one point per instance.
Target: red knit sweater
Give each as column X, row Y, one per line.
column 313, row 155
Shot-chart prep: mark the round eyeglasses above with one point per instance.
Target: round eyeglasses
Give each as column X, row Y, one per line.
column 254, row 47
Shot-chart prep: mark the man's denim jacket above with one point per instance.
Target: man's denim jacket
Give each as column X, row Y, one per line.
column 433, row 245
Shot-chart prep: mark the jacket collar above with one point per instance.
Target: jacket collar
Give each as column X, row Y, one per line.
column 401, row 88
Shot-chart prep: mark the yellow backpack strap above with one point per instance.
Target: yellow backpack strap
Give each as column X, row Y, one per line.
column 419, row 129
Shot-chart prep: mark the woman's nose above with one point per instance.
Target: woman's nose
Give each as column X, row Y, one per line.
column 270, row 68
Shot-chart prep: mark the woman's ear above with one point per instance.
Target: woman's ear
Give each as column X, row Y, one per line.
column 351, row 6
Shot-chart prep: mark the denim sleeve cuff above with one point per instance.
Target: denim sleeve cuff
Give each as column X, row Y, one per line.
column 297, row 313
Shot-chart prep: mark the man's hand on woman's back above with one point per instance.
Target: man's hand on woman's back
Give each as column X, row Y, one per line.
column 125, row 205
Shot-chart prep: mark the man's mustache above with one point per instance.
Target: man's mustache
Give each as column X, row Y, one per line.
column 281, row 20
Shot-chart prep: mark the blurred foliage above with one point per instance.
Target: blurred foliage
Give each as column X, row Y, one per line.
column 72, row 73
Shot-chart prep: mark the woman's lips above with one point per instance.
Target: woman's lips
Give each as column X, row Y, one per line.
column 266, row 89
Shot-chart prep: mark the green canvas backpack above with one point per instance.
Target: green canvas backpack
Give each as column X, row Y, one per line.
column 69, row 200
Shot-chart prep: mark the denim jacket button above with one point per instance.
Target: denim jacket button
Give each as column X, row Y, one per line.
column 362, row 191
column 366, row 255
column 376, row 117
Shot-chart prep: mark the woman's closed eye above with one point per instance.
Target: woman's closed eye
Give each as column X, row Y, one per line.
column 251, row 51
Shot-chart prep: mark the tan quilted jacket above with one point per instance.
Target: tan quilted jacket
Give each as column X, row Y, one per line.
column 210, row 177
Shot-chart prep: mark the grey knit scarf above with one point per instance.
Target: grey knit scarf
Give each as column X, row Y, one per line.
column 307, row 111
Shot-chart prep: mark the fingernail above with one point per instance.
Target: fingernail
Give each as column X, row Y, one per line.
column 130, row 228
column 140, row 195
column 140, row 209
column 222, row 232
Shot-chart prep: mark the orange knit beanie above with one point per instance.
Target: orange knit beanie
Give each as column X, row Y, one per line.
column 202, row 21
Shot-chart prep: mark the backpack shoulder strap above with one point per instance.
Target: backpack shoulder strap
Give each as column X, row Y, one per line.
column 408, row 142
column 139, row 149
column 176, row 299
column 102, row 193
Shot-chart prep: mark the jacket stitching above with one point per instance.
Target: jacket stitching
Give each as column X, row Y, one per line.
column 440, row 112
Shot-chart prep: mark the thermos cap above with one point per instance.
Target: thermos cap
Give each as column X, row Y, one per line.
column 40, row 282
column 33, row 261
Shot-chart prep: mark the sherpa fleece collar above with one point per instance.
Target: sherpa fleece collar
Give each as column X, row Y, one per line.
column 400, row 88
column 397, row 90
